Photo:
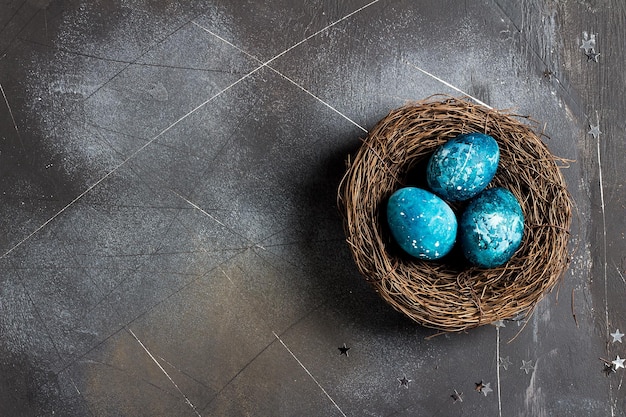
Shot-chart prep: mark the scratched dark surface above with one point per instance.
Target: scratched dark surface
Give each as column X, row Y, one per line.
column 169, row 238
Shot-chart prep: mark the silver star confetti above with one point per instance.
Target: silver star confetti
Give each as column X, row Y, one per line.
column 527, row 366
column 588, row 44
column 483, row 388
column 617, row 336
column 618, row 363
column 595, row 131
column 505, row 363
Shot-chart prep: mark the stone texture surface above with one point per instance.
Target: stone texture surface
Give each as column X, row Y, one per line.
column 170, row 242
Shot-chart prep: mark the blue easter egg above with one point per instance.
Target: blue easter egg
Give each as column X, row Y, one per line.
column 491, row 228
column 463, row 167
column 421, row 223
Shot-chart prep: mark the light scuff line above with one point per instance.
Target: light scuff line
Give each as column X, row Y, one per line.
column 447, row 84
column 164, row 372
column 310, row 374
column 604, row 257
column 498, row 370
column 265, row 64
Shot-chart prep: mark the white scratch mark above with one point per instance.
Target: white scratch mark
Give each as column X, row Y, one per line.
column 322, row 30
column 216, row 220
column 604, row 253
column 325, row 28
column 209, row 31
column 283, row 76
column 320, row 100
column 450, row 85
column 200, row 209
column 226, row 275
column 620, row 274
column 165, row 372
column 309, row 373
column 75, row 387
column 57, row 214
column 498, row 370
column 6, row 100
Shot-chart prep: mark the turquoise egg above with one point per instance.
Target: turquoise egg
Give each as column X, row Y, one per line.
column 491, row 228
column 463, row 167
column 421, row 223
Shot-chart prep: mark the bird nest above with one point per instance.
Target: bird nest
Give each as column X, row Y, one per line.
column 450, row 294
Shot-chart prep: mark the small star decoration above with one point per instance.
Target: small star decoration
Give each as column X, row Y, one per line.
column 505, row 363
column 404, row 382
column 617, row 336
column 618, row 363
column 527, row 366
column 588, row 45
column 595, row 131
column 343, row 350
column 483, row 388
column 499, row 323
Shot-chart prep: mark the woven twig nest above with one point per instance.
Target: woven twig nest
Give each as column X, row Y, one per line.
column 447, row 294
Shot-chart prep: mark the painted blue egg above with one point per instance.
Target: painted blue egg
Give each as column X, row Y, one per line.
column 463, row 167
column 421, row 223
column 491, row 228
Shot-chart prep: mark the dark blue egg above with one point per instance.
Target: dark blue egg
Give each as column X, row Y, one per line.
column 491, row 228
column 463, row 167
column 421, row 223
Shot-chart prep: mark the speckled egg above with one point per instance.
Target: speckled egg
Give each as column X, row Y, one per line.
column 421, row 223
column 463, row 167
column 491, row 228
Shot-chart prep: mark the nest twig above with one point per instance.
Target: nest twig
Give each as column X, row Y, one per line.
column 444, row 295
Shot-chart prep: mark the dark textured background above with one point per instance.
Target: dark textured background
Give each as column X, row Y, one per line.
column 169, row 239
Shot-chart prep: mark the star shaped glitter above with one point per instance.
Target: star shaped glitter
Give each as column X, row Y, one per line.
column 618, row 363
column 505, row 363
column 457, row 396
column 527, row 366
column 595, row 131
column 617, row 336
column 343, row 350
column 483, row 388
column 592, row 55
column 404, row 382
column 588, row 44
